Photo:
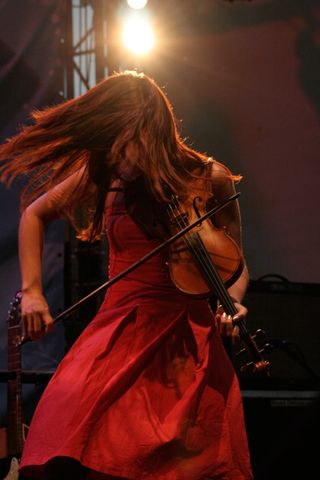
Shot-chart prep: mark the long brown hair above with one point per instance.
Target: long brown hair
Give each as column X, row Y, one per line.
column 92, row 131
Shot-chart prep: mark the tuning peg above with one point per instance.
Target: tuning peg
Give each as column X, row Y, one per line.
column 261, row 367
column 259, row 333
column 267, row 348
column 241, row 352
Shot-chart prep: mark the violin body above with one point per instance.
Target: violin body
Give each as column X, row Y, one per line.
column 188, row 256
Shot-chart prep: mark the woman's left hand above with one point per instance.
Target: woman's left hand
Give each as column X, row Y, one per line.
column 227, row 324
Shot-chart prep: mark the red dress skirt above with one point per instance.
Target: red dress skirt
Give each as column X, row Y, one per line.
column 147, row 390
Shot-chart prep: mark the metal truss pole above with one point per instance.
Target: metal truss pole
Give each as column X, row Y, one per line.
column 91, row 56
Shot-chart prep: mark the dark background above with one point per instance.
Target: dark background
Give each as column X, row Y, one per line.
column 31, row 76
column 243, row 78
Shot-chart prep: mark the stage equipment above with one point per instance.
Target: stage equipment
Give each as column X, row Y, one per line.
column 12, row 437
column 138, row 35
column 137, row 4
column 290, row 313
column 91, row 54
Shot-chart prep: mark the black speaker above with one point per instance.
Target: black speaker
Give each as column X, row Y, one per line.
column 281, row 427
column 289, row 314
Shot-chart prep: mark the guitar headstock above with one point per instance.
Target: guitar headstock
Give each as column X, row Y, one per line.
column 256, row 365
column 14, row 403
column 14, row 313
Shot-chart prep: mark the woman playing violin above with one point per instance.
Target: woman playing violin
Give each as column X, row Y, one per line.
column 147, row 391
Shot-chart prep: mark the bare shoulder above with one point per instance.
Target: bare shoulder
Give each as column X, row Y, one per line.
column 73, row 190
column 218, row 169
column 222, row 187
column 221, row 178
column 77, row 187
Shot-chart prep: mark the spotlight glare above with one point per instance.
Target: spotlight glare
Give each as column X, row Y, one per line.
column 137, row 4
column 138, row 36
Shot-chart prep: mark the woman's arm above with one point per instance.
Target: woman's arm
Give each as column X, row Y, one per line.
column 34, row 308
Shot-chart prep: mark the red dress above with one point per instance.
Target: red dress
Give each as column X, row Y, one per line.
column 147, row 391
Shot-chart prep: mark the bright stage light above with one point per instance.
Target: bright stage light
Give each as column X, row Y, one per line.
column 137, row 4
column 138, row 35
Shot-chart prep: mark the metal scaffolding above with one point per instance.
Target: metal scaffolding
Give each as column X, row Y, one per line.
column 90, row 57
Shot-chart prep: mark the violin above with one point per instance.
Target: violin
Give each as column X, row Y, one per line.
column 206, row 261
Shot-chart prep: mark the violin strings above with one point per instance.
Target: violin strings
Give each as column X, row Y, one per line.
column 203, row 258
column 201, row 254
column 181, row 224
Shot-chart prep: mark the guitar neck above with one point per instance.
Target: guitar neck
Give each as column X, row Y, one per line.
column 14, row 391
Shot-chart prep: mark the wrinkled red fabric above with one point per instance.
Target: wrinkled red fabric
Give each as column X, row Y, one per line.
column 147, row 391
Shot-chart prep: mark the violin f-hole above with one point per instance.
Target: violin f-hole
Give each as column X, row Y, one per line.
column 195, row 206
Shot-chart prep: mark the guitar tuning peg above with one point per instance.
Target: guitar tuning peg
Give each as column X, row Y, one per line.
column 259, row 333
column 267, row 348
column 244, row 368
column 241, row 352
